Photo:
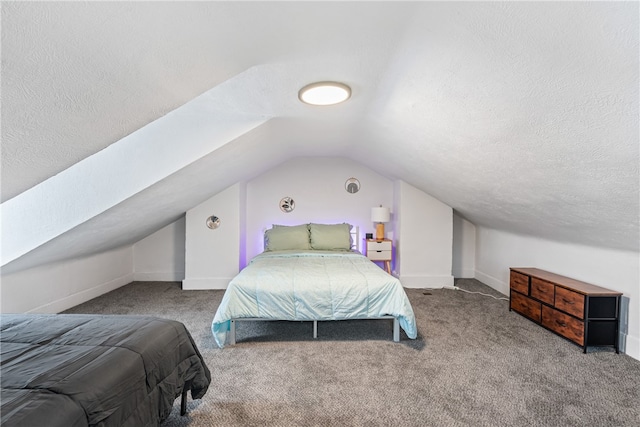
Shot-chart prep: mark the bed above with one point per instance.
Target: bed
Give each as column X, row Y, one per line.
column 311, row 272
column 84, row 370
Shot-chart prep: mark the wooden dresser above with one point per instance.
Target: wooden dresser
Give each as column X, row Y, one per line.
column 583, row 313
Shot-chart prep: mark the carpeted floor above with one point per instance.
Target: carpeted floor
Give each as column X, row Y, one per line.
column 474, row 364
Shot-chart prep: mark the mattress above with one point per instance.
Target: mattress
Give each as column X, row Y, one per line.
column 312, row 285
column 86, row 370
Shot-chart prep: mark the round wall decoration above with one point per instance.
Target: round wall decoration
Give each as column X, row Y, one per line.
column 213, row 222
column 287, row 204
column 352, row 185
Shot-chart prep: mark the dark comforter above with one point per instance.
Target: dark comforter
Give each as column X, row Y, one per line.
column 78, row 370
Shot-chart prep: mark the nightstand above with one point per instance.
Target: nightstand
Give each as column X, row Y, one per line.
column 380, row 250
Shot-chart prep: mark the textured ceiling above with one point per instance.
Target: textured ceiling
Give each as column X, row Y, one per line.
column 521, row 116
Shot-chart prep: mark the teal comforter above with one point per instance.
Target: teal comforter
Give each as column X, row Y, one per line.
column 312, row 285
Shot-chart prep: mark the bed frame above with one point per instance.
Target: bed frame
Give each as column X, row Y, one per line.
column 355, row 234
column 231, row 339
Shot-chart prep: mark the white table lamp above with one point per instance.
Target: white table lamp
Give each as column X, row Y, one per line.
column 380, row 215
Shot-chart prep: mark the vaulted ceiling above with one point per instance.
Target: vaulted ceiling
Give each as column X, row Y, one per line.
column 521, row 116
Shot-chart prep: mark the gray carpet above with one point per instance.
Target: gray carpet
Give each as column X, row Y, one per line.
column 474, row 364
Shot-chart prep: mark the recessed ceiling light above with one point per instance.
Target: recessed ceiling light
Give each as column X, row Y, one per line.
column 324, row 93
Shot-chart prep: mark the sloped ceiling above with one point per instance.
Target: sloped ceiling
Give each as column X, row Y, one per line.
column 521, row 116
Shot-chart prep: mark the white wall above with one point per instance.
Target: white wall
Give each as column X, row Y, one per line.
column 424, row 242
column 56, row 287
column 464, row 248
column 212, row 257
column 496, row 251
column 160, row 256
column 317, row 185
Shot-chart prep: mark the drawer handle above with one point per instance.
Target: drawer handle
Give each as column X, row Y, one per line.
column 541, row 290
column 568, row 302
column 561, row 323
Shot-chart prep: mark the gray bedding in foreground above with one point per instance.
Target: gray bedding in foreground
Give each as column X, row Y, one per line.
column 87, row 370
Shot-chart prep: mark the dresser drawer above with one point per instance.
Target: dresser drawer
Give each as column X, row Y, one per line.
column 519, row 282
column 570, row 302
column 541, row 290
column 383, row 245
column 563, row 324
column 525, row 306
column 379, row 255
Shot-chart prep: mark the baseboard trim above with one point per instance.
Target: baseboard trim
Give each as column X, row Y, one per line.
column 210, row 283
column 169, row 276
column 466, row 273
column 419, row 282
column 492, row 282
column 630, row 346
column 83, row 296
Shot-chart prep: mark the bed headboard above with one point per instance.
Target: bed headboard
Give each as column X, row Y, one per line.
column 355, row 238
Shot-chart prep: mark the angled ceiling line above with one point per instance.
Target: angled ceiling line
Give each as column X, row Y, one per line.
column 121, row 170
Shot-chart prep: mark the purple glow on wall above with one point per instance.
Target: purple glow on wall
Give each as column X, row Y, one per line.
column 258, row 243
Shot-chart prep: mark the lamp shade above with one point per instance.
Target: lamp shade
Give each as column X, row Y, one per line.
column 380, row 214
